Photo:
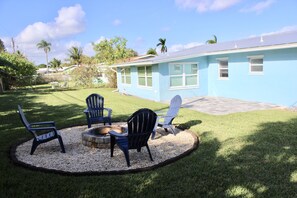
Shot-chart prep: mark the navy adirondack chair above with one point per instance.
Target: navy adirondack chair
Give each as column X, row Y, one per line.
column 95, row 110
column 140, row 126
column 47, row 131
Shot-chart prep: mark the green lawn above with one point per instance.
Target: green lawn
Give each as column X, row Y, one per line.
column 241, row 155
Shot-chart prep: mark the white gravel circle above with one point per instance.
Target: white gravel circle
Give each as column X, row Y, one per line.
column 80, row 158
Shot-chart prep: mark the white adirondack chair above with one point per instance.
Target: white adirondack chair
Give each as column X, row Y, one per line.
column 165, row 121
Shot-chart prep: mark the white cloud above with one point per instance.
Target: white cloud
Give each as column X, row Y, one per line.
column 117, row 22
column 259, row 7
column 178, row 47
column 206, row 5
column 283, row 29
column 70, row 21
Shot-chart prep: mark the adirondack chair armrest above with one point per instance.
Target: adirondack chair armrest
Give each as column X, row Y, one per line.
column 165, row 116
column 43, row 123
column 109, row 110
column 42, row 129
column 86, row 111
column 116, row 134
column 161, row 112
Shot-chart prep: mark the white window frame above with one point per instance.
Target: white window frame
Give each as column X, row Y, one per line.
column 184, row 75
column 220, row 68
column 145, row 76
column 251, row 65
column 125, row 75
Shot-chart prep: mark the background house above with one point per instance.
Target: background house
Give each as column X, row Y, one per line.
column 260, row 69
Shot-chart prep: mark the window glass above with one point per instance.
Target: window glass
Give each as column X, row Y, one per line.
column 257, row 61
column 256, row 65
column 141, row 81
column 223, row 69
column 190, row 68
column 149, row 71
column 141, row 71
column 176, row 69
column 176, row 81
column 191, row 80
column 145, row 76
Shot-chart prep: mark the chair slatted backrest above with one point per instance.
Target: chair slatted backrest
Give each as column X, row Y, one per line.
column 23, row 118
column 174, row 107
column 140, row 126
column 95, row 104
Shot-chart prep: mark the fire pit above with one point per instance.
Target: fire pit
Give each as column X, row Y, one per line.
column 98, row 137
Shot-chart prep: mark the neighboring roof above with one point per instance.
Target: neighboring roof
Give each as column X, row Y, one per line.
column 264, row 42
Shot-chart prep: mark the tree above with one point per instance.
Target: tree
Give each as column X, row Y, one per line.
column 19, row 53
column 15, row 70
column 111, row 51
column 212, row 41
column 75, row 54
column 55, row 64
column 162, row 43
column 151, row 51
column 46, row 47
column 2, row 47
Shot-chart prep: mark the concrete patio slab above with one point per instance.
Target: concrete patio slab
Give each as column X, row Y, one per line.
column 224, row 106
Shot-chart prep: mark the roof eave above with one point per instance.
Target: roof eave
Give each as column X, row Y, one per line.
column 222, row 52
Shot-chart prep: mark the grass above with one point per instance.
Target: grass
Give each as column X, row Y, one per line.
column 249, row 154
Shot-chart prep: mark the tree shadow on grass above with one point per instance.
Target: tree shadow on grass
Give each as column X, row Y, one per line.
column 264, row 166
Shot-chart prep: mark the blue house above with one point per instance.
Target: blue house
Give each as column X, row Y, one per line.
column 262, row 69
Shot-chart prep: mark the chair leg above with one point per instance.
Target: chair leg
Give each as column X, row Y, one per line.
column 139, row 149
column 126, row 152
column 148, row 149
column 61, row 144
column 112, row 143
column 34, row 146
column 153, row 134
column 89, row 124
column 172, row 129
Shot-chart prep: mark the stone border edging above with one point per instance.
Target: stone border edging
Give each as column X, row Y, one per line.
column 15, row 161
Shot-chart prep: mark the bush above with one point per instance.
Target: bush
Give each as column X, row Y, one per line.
column 84, row 75
column 18, row 70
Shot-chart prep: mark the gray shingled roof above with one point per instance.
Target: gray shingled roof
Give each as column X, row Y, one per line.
column 259, row 42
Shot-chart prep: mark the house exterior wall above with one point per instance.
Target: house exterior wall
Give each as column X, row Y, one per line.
column 277, row 84
column 151, row 93
column 166, row 92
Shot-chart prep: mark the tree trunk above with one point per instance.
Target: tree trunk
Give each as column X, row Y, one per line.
column 1, row 86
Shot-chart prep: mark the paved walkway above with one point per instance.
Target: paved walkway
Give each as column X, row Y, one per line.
column 223, row 106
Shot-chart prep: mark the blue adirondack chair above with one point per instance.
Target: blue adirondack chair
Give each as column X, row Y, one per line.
column 140, row 126
column 95, row 110
column 47, row 129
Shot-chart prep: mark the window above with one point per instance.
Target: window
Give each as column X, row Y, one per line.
column 223, row 69
column 256, row 65
column 183, row 74
column 126, row 75
column 145, row 76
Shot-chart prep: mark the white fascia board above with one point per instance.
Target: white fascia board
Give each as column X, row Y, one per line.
column 133, row 64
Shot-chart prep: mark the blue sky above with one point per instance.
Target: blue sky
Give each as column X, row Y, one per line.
column 184, row 23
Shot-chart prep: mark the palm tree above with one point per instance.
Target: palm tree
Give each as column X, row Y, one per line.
column 75, row 54
column 162, row 43
column 46, row 47
column 151, row 51
column 212, row 41
column 56, row 64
